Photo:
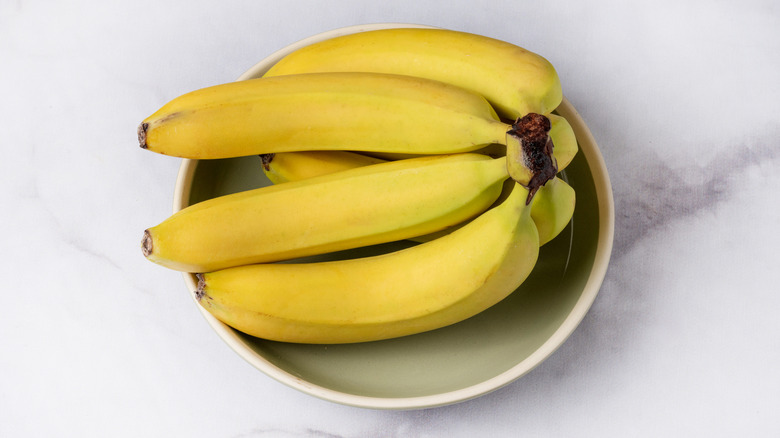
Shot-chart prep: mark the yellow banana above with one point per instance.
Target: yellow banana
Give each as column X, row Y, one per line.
column 413, row 290
column 551, row 210
column 561, row 133
column 295, row 166
column 514, row 80
column 322, row 111
column 327, row 111
column 358, row 207
column 564, row 140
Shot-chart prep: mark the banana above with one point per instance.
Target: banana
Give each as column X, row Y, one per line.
column 295, row 166
column 514, row 80
column 327, row 111
column 564, row 140
column 413, row 290
column 322, row 111
column 551, row 210
column 358, row 207
column 561, row 133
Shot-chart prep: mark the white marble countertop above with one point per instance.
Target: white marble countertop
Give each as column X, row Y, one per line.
column 683, row 340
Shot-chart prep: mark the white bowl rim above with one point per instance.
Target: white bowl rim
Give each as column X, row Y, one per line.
column 603, row 253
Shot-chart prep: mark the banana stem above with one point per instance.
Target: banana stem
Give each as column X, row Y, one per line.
column 529, row 153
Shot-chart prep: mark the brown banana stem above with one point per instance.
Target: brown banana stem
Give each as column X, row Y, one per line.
column 530, row 157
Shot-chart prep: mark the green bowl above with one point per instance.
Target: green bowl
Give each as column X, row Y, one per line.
column 454, row 363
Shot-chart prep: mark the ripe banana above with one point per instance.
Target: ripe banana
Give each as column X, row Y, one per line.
column 358, row 207
column 295, row 166
column 561, row 133
column 417, row 289
column 322, row 111
column 328, row 111
column 551, row 210
column 564, row 140
column 514, row 80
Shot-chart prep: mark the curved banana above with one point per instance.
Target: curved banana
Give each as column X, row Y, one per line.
column 552, row 209
column 514, row 80
column 417, row 289
column 295, row 166
column 327, row 111
column 561, row 133
column 358, row 207
column 322, row 111
column 564, row 140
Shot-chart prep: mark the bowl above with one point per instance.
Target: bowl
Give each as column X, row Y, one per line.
column 455, row 363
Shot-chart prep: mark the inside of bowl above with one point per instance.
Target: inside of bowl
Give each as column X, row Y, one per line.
column 454, row 357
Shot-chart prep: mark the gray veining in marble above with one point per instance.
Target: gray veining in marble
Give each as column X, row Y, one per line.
column 669, row 193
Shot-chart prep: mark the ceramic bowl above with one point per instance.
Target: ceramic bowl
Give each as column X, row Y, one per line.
column 455, row 363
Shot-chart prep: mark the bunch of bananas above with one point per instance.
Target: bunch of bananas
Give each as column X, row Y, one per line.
column 432, row 135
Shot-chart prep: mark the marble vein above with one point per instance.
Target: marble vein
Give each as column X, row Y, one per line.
column 659, row 194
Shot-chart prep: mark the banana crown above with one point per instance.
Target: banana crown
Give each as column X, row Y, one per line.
column 530, row 159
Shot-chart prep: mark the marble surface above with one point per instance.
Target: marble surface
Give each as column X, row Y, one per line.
column 683, row 340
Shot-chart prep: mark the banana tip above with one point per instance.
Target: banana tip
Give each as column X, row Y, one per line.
column 200, row 292
column 267, row 158
column 146, row 243
column 142, row 128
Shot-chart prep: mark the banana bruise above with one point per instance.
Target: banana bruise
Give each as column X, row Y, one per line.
column 359, row 207
column 514, row 80
column 425, row 287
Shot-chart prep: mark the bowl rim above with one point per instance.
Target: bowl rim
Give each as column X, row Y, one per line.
column 591, row 289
